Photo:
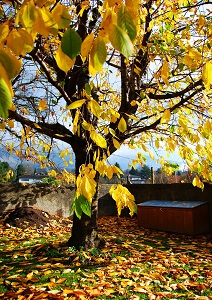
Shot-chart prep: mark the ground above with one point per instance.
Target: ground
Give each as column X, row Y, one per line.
column 25, row 217
column 135, row 263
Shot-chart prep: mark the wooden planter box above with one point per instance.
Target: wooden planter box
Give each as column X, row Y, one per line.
column 189, row 217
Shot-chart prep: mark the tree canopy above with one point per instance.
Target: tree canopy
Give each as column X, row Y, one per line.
column 100, row 74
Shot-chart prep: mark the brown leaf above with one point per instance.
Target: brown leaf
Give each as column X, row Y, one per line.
column 61, row 280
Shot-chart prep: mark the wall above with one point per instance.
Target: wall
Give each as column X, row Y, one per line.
column 57, row 200
column 145, row 192
column 53, row 199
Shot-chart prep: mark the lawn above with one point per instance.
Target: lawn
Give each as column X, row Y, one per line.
column 134, row 264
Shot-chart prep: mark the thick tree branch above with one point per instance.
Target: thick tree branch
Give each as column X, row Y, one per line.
column 157, row 122
column 56, row 131
column 176, row 94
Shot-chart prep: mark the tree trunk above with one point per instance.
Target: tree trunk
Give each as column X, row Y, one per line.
column 85, row 230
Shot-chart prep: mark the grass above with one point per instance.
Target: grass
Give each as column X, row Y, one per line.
column 134, row 264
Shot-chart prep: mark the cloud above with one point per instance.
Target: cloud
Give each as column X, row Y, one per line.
column 125, row 155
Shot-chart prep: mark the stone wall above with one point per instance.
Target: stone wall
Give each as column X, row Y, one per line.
column 51, row 198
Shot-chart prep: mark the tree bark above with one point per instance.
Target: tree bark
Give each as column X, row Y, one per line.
column 85, row 230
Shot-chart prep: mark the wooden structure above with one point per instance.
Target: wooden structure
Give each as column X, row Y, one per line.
column 188, row 217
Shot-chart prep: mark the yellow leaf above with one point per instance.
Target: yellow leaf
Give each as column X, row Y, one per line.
column 42, row 105
column 123, row 198
column 98, row 139
column 75, row 122
column 37, row 126
column 88, row 187
column 122, row 125
column 87, row 126
column 197, row 182
column 151, row 154
column 29, row 275
column 44, row 23
column 144, row 147
column 10, row 63
column 207, row 127
column 97, row 56
column 28, row 14
column 48, row 20
column 6, row 94
column 188, row 61
column 112, row 132
column 84, row 6
column 10, row 123
column 182, row 121
column 109, row 172
column 64, row 62
column 116, row 143
column 4, row 31
column 87, row 44
column 112, row 3
column 76, row 104
column 207, row 75
column 165, row 72
column 61, row 280
column 20, row 41
column 94, row 107
column 2, row 126
column 194, row 54
column 139, row 289
column 166, row 116
column 93, row 292
column 61, row 15
column 109, row 18
column 133, row 117
column 157, row 145
column 67, row 291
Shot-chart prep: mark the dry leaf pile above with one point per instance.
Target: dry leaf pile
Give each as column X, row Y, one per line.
column 35, row 263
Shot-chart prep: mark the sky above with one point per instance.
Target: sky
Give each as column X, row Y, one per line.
column 124, row 156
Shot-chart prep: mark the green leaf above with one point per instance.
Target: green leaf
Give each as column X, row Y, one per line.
column 172, row 128
column 88, row 88
column 81, row 205
column 85, row 205
column 121, row 41
column 71, row 43
column 77, row 208
column 5, row 98
column 125, row 21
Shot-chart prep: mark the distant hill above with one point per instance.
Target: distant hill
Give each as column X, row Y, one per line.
column 123, row 157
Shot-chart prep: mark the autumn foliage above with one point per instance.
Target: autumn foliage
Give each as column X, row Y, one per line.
column 35, row 263
column 100, row 74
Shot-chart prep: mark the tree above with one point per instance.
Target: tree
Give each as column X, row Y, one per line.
column 20, row 170
column 134, row 172
column 145, row 172
column 97, row 74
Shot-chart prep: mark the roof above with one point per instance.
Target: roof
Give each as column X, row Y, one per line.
column 32, row 176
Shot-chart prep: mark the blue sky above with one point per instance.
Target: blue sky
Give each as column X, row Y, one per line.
column 124, row 156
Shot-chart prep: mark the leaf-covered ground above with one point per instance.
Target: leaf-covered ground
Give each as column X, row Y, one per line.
column 134, row 264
